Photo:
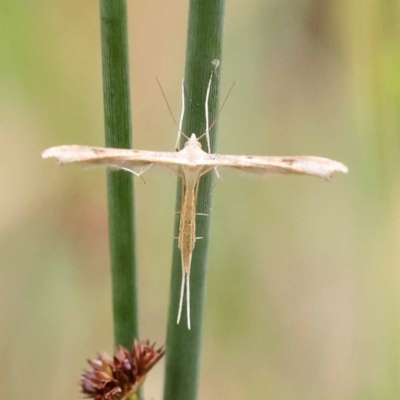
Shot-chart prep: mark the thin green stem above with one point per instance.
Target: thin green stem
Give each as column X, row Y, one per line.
column 204, row 44
column 117, row 117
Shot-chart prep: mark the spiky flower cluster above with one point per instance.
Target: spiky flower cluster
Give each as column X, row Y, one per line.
column 119, row 377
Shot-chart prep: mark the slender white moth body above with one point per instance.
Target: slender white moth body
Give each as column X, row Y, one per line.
column 191, row 163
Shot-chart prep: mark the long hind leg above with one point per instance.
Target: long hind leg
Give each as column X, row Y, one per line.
column 185, row 279
column 188, row 298
column 207, row 133
column 181, row 298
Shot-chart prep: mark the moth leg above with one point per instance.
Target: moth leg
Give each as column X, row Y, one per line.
column 206, row 215
column 219, row 177
column 206, row 171
column 214, row 185
column 181, row 298
column 185, row 279
column 181, row 120
column 208, row 121
column 207, row 113
column 201, row 237
column 188, row 299
column 142, row 171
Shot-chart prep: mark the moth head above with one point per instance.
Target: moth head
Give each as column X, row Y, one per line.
column 193, row 141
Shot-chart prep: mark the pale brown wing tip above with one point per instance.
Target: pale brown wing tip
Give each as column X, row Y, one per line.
column 67, row 153
column 58, row 151
column 337, row 167
column 316, row 166
column 50, row 152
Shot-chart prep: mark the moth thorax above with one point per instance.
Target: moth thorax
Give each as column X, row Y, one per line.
column 193, row 141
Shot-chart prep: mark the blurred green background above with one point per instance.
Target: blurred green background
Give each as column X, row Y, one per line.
column 303, row 291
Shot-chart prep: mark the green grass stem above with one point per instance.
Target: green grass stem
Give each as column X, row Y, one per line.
column 204, row 43
column 118, row 131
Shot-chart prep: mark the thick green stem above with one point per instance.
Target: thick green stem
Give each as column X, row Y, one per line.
column 204, row 42
column 117, row 117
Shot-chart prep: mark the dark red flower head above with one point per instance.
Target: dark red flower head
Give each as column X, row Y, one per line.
column 119, row 377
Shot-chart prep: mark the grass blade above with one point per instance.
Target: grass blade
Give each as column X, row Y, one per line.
column 117, row 117
column 183, row 346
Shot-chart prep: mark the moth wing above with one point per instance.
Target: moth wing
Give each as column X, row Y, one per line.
column 298, row 165
column 114, row 158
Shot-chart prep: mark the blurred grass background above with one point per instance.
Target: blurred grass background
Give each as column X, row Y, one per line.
column 303, row 292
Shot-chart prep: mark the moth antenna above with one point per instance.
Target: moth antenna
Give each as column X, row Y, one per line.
column 166, row 101
column 188, row 299
column 172, row 115
column 181, row 297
